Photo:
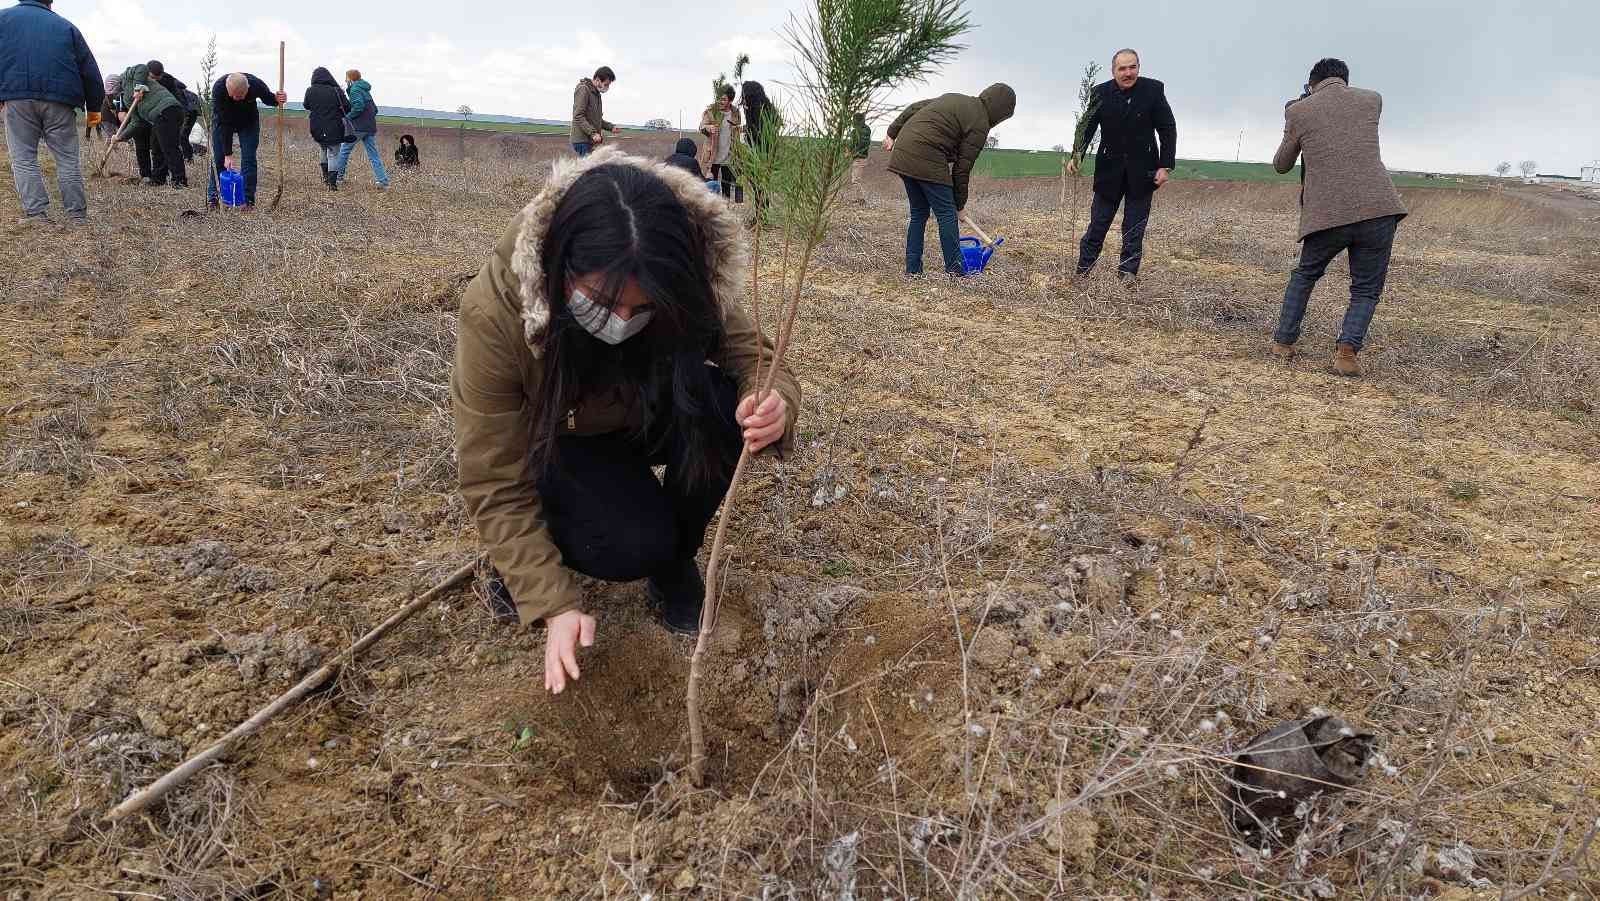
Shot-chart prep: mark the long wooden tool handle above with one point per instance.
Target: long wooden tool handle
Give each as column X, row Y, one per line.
column 974, row 226
column 159, row 789
column 281, row 89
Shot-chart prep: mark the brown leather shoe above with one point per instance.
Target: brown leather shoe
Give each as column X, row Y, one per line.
column 1284, row 352
column 1344, row 361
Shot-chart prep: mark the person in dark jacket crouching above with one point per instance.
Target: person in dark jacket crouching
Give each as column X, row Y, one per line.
column 686, row 156
column 406, row 155
column 1132, row 115
column 581, row 362
column 934, row 145
column 1348, row 202
column 327, row 105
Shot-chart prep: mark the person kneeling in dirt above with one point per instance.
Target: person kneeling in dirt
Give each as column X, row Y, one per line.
column 1348, row 202
column 581, row 362
column 405, row 156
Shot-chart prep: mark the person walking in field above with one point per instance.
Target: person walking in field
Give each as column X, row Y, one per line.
column 153, row 119
column 934, row 144
column 581, row 362
column 861, row 145
column 589, row 125
column 363, row 116
column 46, row 74
column 1138, row 150
column 720, row 123
column 327, row 106
column 1348, row 204
column 235, row 115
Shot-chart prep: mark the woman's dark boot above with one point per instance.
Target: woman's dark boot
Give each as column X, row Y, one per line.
column 679, row 592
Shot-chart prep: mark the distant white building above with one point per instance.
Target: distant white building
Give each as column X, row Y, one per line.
column 1590, row 173
column 1530, row 179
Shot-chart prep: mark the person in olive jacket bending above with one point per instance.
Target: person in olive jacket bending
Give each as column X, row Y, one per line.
column 934, row 145
column 581, row 362
column 1131, row 113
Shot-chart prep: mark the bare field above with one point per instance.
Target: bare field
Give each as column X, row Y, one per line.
column 1049, row 553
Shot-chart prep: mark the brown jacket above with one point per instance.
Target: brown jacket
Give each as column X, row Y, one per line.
column 939, row 140
column 588, row 118
column 730, row 119
column 1335, row 129
column 496, row 384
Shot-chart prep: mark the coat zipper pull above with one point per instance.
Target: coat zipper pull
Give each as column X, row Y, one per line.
column 572, row 419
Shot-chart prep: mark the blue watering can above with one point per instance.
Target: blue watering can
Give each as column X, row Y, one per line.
column 231, row 185
column 974, row 255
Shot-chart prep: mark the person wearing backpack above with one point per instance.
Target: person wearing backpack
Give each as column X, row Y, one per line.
column 327, row 105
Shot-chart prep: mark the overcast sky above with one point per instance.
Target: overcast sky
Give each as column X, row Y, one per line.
column 1465, row 84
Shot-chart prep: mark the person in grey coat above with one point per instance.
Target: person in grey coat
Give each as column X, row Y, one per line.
column 46, row 74
column 1348, row 203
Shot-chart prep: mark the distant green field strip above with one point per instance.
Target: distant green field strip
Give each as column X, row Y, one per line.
column 1026, row 164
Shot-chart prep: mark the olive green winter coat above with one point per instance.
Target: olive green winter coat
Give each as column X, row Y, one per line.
column 939, row 140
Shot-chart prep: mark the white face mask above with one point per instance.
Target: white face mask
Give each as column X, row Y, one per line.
column 604, row 324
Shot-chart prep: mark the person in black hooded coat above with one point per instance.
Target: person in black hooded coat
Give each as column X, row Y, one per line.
column 327, row 104
column 407, row 155
column 686, row 156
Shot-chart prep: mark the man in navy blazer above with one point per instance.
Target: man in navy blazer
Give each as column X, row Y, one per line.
column 1132, row 116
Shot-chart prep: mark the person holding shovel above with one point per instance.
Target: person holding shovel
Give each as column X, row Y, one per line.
column 934, row 144
column 235, row 115
column 154, row 117
column 581, row 362
column 46, row 73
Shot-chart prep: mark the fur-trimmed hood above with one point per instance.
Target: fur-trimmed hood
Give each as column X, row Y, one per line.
column 726, row 257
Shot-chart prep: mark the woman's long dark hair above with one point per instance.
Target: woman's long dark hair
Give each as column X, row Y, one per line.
column 620, row 222
column 754, row 98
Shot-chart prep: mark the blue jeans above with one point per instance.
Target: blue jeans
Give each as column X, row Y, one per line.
column 222, row 144
column 582, row 148
column 369, row 141
column 927, row 196
column 1369, row 243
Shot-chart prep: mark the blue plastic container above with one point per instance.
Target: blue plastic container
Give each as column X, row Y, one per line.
column 975, row 256
column 231, row 186
column 714, row 186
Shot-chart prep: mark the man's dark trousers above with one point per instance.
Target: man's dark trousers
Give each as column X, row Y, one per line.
column 222, row 144
column 1370, row 243
column 1135, row 216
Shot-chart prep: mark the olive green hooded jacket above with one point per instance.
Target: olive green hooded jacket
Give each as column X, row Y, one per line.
column 939, row 140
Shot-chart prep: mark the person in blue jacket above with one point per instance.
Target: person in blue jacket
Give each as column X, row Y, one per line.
column 46, row 74
column 363, row 118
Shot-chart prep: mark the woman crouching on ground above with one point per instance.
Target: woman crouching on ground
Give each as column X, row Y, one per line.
column 581, row 362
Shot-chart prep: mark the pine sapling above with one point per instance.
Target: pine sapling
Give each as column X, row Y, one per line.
column 848, row 54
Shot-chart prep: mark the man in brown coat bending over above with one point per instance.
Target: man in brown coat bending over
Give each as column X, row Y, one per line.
column 1347, row 203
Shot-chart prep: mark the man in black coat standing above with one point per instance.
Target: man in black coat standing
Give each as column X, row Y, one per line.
column 1131, row 114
